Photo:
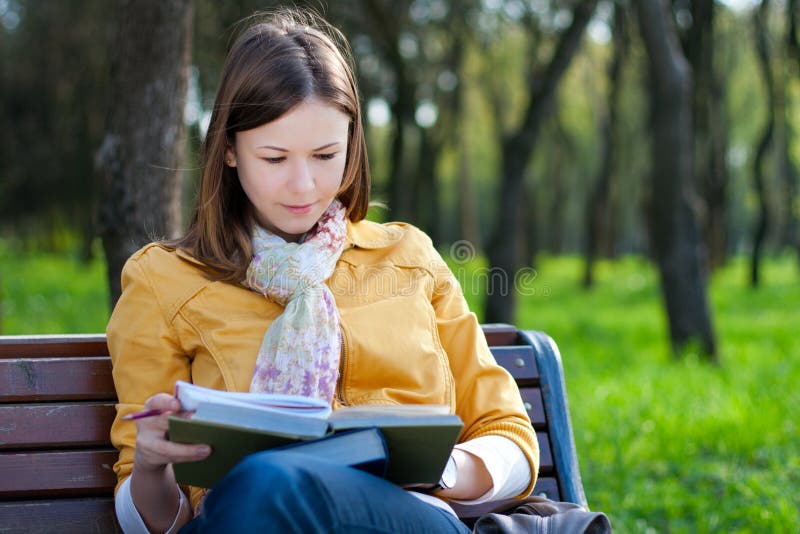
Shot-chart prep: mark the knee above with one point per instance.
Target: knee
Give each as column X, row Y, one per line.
column 270, row 492
column 270, row 473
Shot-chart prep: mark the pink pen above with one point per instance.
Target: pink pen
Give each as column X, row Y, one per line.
column 143, row 414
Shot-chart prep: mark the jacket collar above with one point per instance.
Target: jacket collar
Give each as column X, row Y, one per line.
column 363, row 234
column 369, row 235
column 188, row 257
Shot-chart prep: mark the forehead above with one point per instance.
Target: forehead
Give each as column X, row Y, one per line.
column 311, row 123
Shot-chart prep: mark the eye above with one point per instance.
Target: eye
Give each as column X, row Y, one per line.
column 274, row 161
column 329, row 155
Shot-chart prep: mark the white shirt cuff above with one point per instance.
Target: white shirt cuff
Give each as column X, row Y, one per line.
column 131, row 521
column 507, row 465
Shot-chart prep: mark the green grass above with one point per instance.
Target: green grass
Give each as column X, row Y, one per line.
column 51, row 294
column 664, row 445
column 679, row 446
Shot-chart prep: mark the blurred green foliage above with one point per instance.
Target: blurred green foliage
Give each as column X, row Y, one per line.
column 54, row 93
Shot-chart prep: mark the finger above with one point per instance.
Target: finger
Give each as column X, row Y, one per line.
column 162, row 401
column 157, row 424
column 172, row 452
column 160, row 454
column 156, row 460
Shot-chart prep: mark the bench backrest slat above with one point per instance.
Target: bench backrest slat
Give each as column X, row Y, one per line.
column 49, row 346
column 62, row 378
column 534, row 405
column 56, row 425
column 47, row 474
column 545, row 454
column 500, row 334
column 65, row 516
column 520, row 361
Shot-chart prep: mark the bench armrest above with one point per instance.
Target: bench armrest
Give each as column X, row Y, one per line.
column 554, row 394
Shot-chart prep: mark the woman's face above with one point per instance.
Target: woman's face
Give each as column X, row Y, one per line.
column 291, row 168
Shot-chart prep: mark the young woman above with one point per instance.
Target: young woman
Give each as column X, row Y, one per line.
column 280, row 285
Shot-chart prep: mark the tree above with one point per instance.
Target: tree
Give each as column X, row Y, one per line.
column 141, row 153
column 765, row 141
column 710, row 130
column 677, row 245
column 598, row 206
column 517, row 148
column 53, row 89
column 385, row 23
column 412, row 53
column 792, row 197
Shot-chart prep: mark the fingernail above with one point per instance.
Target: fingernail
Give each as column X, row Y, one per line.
column 204, row 451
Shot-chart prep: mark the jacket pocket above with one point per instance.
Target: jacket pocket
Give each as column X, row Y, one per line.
column 393, row 353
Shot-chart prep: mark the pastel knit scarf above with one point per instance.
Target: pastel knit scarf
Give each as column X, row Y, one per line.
column 301, row 348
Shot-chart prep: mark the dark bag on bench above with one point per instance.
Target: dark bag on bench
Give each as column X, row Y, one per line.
column 535, row 515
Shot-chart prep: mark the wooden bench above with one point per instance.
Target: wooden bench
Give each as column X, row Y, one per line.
column 57, row 403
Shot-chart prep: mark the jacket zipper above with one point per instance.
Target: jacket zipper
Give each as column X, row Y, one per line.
column 342, row 367
column 342, row 355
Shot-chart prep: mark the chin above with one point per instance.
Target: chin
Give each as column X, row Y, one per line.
column 296, row 226
column 296, row 231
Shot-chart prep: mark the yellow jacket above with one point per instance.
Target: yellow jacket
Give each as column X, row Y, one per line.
column 408, row 336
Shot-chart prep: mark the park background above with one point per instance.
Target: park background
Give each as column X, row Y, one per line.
column 635, row 160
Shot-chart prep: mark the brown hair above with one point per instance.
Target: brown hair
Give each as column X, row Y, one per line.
column 277, row 62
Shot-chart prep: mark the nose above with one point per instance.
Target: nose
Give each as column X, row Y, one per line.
column 301, row 179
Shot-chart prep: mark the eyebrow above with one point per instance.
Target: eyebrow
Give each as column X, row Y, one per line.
column 279, row 149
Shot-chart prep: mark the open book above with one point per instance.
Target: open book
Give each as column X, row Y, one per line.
column 419, row 438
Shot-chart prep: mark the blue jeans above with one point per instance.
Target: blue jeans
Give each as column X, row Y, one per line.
column 283, row 492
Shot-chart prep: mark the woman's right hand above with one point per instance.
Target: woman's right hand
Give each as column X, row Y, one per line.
column 153, row 450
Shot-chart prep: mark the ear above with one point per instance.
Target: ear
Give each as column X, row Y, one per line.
column 230, row 156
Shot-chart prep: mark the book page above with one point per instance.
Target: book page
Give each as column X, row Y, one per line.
column 192, row 395
column 394, row 410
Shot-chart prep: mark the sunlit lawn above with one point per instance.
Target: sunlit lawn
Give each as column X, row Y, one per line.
column 679, row 446
column 664, row 445
column 51, row 294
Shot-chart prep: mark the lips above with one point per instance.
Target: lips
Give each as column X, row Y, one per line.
column 299, row 209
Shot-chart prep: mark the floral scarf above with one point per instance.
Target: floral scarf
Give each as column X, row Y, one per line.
column 301, row 348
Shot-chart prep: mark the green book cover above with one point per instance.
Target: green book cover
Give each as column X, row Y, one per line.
column 418, row 446
column 418, row 454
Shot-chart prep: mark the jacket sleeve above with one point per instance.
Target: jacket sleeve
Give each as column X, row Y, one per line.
column 145, row 354
column 487, row 398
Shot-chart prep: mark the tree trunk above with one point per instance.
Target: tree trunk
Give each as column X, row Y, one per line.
column 793, row 193
column 386, row 22
column 790, row 234
column 426, row 191
column 710, row 131
column 529, row 242
column 763, row 223
column 467, row 211
column 142, row 151
column 598, row 207
column 516, row 151
column 677, row 245
column 400, row 190
column 468, row 224
column 555, row 181
column 786, row 171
